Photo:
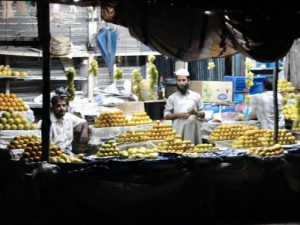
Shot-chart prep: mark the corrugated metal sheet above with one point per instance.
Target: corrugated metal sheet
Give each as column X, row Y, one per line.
column 165, row 66
column 18, row 26
column 198, row 69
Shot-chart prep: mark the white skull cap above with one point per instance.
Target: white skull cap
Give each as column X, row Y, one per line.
column 182, row 72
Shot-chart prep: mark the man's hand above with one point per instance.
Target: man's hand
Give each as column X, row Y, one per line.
column 84, row 137
column 199, row 114
column 183, row 115
column 193, row 112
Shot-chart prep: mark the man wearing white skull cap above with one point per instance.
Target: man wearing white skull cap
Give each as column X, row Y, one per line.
column 184, row 107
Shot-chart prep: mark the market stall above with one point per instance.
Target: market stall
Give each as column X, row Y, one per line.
column 140, row 170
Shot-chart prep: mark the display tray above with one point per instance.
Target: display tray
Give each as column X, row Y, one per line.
column 232, row 154
column 160, row 163
column 204, row 158
column 170, row 155
column 71, row 167
column 292, row 150
column 265, row 159
column 123, row 164
column 292, row 155
column 226, row 143
column 290, row 146
column 95, row 158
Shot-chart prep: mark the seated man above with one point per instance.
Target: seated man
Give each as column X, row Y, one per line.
column 63, row 125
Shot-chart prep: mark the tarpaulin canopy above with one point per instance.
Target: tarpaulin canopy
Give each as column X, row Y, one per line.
column 192, row 33
column 107, row 43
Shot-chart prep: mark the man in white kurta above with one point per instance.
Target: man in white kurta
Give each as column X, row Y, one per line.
column 262, row 107
column 184, row 108
column 63, row 125
column 62, row 130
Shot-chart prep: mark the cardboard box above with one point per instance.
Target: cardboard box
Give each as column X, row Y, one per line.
column 213, row 91
column 131, row 107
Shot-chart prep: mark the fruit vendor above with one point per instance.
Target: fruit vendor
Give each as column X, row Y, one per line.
column 184, row 107
column 262, row 107
column 63, row 124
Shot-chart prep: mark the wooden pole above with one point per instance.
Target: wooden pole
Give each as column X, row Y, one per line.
column 44, row 18
column 275, row 101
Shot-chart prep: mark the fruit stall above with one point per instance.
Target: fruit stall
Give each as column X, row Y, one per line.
column 139, row 170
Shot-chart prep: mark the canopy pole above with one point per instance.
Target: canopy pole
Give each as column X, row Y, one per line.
column 43, row 14
column 275, row 101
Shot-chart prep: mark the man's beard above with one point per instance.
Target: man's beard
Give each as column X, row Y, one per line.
column 183, row 88
column 60, row 114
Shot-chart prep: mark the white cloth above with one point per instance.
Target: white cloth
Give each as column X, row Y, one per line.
column 190, row 128
column 61, row 131
column 263, row 108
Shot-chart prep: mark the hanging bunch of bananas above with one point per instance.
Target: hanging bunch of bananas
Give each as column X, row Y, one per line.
column 94, row 68
column 70, row 83
column 211, row 66
column 249, row 79
column 249, row 75
column 118, row 74
column 296, row 125
column 247, row 99
column 136, row 80
column 249, row 64
column 152, row 71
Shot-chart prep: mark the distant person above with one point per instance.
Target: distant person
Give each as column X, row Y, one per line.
column 262, row 107
column 184, row 107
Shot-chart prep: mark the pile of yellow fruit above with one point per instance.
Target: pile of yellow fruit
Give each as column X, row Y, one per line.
column 285, row 86
column 262, row 138
column 139, row 118
column 250, row 138
column 284, row 138
column 267, row 151
column 139, row 153
column 229, row 132
column 108, row 149
column 57, row 155
column 171, row 145
column 290, row 112
column 160, row 131
column 132, row 136
column 15, row 121
column 11, row 102
column 23, row 141
column 111, row 119
column 205, row 147
column 297, row 128
column 6, row 71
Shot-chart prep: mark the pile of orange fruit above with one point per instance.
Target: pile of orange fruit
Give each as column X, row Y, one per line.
column 11, row 102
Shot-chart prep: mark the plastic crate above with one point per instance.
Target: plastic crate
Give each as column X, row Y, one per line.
column 238, row 82
column 238, row 97
column 211, row 107
column 257, row 85
column 256, row 89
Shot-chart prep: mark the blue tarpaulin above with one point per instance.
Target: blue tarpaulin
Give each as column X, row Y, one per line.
column 107, row 43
